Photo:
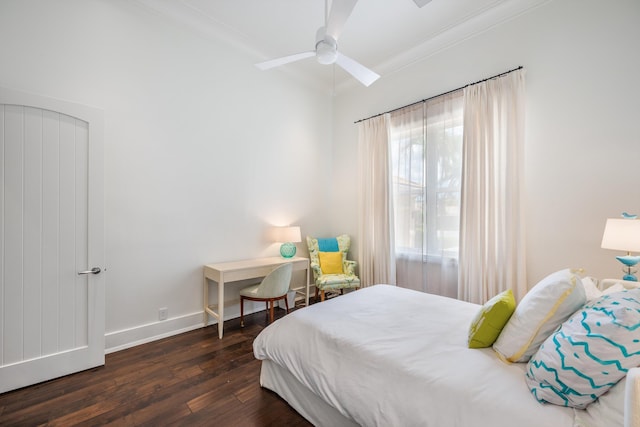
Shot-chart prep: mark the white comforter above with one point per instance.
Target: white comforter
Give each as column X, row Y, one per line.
column 388, row 356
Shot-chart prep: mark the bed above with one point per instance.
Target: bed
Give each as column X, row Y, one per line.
column 389, row 356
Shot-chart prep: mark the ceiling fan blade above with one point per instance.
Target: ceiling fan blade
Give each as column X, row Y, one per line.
column 357, row 70
column 340, row 12
column 284, row 60
column 421, row 3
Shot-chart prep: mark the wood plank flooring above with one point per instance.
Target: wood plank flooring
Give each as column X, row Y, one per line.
column 192, row 379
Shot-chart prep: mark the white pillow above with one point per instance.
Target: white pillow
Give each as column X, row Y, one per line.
column 609, row 406
column 541, row 311
column 590, row 289
column 590, row 353
column 618, row 287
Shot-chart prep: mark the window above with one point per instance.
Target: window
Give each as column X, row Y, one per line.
column 411, row 181
column 426, row 168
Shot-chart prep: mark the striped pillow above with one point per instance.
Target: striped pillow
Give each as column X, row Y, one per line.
column 590, row 352
column 541, row 311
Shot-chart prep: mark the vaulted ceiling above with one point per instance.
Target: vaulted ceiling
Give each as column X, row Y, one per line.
column 383, row 35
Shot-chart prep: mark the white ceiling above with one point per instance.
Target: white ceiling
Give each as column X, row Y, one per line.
column 384, row 35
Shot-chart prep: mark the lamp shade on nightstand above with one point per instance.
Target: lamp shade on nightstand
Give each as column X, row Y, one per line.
column 288, row 236
column 623, row 235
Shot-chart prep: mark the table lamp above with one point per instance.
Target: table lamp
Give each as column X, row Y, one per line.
column 287, row 236
column 623, row 235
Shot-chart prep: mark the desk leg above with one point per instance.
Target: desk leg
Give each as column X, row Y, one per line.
column 220, row 306
column 205, row 287
column 306, row 297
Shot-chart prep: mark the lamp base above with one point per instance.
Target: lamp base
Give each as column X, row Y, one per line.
column 629, row 261
column 287, row 250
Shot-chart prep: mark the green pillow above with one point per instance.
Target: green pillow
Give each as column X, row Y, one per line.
column 490, row 320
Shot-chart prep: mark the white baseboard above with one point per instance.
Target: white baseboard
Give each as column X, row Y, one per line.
column 127, row 338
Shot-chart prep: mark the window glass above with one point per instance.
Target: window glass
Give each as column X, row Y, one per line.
column 426, row 167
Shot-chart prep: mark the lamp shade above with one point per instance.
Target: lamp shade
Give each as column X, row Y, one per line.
column 287, row 234
column 622, row 234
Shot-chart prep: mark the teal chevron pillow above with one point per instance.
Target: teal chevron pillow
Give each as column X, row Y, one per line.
column 590, row 352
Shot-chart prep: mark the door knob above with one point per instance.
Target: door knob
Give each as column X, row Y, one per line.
column 94, row 270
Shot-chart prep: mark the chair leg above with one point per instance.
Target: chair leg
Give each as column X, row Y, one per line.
column 242, row 312
column 322, row 295
column 316, row 294
column 271, row 304
column 286, row 303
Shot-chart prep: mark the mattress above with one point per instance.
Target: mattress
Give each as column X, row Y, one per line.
column 388, row 356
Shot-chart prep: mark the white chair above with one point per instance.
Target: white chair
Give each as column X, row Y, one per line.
column 273, row 287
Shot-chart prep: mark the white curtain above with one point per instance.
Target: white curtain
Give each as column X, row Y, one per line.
column 375, row 247
column 492, row 238
column 426, row 157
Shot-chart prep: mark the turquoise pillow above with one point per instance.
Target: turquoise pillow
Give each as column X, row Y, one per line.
column 488, row 323
column 328, row 245
column 590, row 353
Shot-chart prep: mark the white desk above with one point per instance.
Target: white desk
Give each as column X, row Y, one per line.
column 241, row 270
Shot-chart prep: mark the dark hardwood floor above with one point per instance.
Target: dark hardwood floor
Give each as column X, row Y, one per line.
column 192, row 379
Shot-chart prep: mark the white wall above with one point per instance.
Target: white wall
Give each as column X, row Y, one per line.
column 202, row 151
column 582, row 134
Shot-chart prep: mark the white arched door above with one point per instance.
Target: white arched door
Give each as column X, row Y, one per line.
column 51, row 229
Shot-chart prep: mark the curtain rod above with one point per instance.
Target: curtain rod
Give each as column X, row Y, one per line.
column 442, row 94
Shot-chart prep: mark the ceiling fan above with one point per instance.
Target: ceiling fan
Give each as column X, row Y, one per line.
column 326, row 50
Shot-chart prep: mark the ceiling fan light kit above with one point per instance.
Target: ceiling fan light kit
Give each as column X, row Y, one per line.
column 326, row 48
column 326, row 54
